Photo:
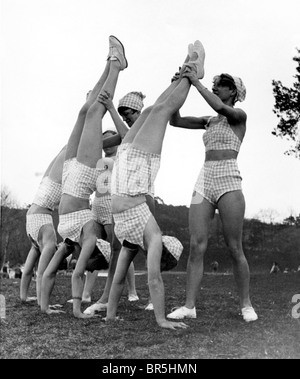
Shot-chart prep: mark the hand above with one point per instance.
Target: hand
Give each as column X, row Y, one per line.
column 176, row 76
column 191, row 74
column 105, row 99
column 173, row 325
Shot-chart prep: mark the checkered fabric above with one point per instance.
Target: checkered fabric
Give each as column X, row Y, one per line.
column 34, row 222
column 79, row 180
column 173, row 245
column 48, row 194
column 217, row 178
column 105, row 248
column 220, row 136
column 133, row 100
column 71, row 224
column 101, row 210
column 130, row 224
column 241, row 89
column 103, row 184
column 134, row 172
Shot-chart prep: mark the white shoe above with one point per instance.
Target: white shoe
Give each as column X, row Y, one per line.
column 183, row 312
column 84, row 301
column 249, row 314
column 199, row 62
column 133, row 298
column 117, row 52
column 190, row 50
column 149, row 307
column 97, row 307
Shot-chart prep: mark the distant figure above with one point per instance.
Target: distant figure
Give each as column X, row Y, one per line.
column 286, row 270
column 298, row 269
column 275, row 268
column 214, row 266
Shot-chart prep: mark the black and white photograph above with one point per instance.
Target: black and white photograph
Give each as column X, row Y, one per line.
column 150, row 182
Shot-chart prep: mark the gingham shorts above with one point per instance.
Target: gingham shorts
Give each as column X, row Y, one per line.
column 48, row 194
column 34, row 222
column 134, row 172
column 79, row 180
column 105, row 248
column 71, row 224
column 101, row 210
column 217, row 178
column 130, row 224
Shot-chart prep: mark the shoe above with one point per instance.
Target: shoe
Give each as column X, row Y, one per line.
column 84, row 301
column 149, row 307
column 97, row 307
column 183, row 312
column 199, row 62
column 133, row 298
column 117, row 52
column 190, row 50
column 249, row 314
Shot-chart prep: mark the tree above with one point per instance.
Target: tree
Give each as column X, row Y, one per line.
column 287, row 109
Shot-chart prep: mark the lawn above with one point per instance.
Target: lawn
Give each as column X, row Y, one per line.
column 218, row 333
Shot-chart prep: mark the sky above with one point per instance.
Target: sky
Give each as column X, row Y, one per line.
column 54, row 51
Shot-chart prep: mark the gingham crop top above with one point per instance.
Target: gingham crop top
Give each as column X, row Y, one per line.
column 79, row 180
column 220, row 136
column 48, row 194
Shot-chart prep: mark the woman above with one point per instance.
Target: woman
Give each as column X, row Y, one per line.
column 129, row 108
column 101, row 209
column 134, row 173
column 40, row 228
column 82, row 166
column 218, row 187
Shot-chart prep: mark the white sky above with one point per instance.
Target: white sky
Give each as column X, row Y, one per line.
column 55, row 50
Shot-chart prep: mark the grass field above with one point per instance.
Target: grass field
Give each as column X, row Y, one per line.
column 217, row 333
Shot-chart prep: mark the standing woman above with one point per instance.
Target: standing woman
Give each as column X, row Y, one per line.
column 40, row 228
column 218, row 187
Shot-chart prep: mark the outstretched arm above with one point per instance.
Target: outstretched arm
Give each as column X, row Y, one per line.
column 106, row 100
column 235, row 116
column 188, row 122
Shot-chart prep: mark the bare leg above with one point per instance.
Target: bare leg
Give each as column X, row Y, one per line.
column 88, row 243
column 200, row 217
column 232, row 210
column 91, row 142
column 32, row 258
column 145, row 114
column 78, row 128
column 151, row 135
column 89, row 284
column 130, row 279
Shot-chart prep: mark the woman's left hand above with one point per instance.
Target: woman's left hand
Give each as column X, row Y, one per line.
column 191, row 74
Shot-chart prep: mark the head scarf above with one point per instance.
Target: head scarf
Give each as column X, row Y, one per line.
column 133, row 100
column 240, row 87
column 173, row 245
